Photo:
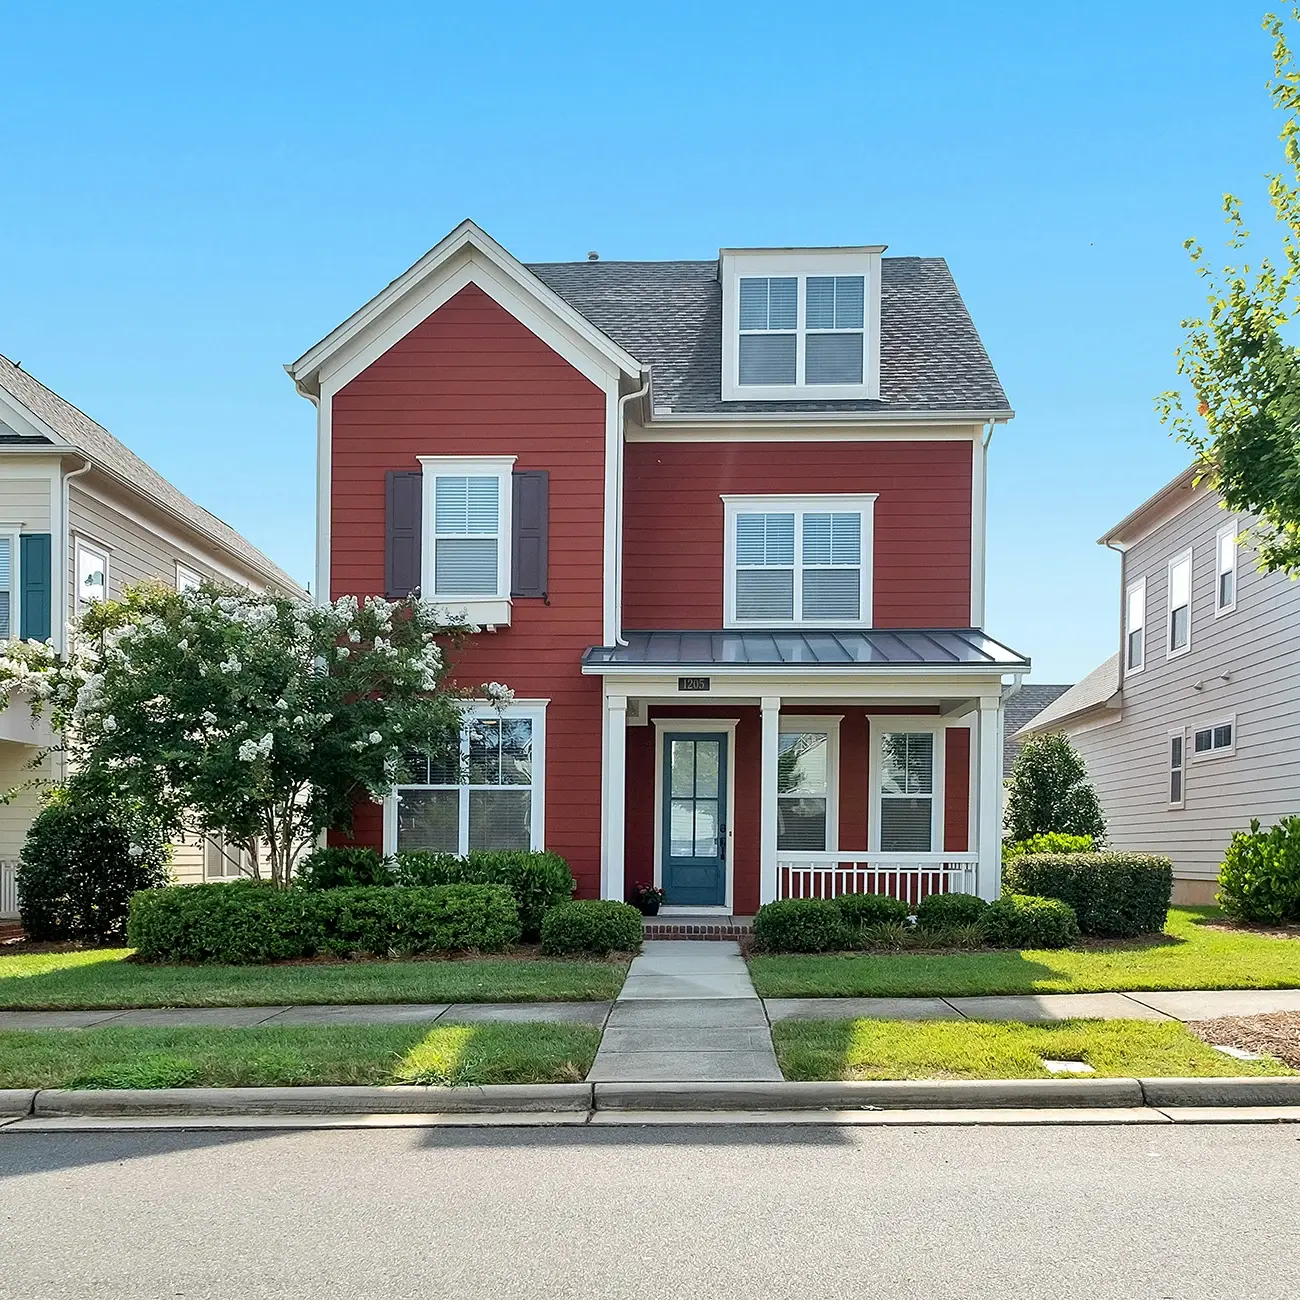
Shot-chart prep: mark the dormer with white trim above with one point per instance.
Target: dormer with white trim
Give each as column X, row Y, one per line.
column 800, row 323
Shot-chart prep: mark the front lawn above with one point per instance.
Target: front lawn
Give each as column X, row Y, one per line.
column 975, row 1049
column 460, row 1055
column 1191, row 954
column 100, row 978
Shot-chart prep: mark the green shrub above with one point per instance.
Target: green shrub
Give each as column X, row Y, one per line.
column 1052, row 842
column 344, row 868
column 1114, row 895
column 894, row 935
column 591, row 925
column 1025, row 921
column 801, row 925
column 1260, row 876
column 538, row 880
column 937, row 912
column 81, row 862
column 250, row 923
column 860, row 910
column 1049, row 791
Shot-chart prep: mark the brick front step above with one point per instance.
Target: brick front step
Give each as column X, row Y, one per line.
column 10, row 930
column 698, row 927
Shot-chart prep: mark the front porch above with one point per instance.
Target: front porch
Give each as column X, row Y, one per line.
column 745, row 783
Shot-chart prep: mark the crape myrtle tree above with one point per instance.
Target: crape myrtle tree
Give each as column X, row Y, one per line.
column 1049, row 791
column 1242, row 417
column 258, row 717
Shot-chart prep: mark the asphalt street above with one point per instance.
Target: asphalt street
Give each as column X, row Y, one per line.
column 739, row 1212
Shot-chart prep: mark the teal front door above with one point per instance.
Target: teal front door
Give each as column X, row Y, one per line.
column 694, row 816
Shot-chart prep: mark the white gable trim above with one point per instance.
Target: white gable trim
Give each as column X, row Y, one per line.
column 465, row 256
column 23, row 420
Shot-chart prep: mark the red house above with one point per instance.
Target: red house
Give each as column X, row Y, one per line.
column 721, row 524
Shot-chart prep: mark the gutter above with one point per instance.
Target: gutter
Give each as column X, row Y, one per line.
column 846, row 418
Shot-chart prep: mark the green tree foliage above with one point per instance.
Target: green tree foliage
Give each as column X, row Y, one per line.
column 1049, row 792
column 1243, row 374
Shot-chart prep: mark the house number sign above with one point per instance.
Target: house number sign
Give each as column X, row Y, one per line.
column 692, row 683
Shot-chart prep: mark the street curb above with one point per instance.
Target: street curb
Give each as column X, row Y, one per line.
column 16, row 1101
column 1282, row 1091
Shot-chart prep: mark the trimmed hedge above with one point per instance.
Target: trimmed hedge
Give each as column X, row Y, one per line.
column 1048, row 842
column 250, row 923
column 592, row 925
column 859, row 910
column 949, row 911
column 343, row 868
column 801, row 925
column 1114, row 895
column 1024, row 921
column 1260, row 876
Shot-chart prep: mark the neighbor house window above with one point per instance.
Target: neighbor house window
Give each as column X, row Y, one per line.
column 223, row 861
column 1177, row 766
column 187, row 579
column 1179, row 620
column 1225, row 592
column 467, row 531
column 488, row 795
column 1135, row 620
column 907, row 815
column 1216, row 740
column 8, row 585
column 91, row 566
column 798, row 560
column 807, row 778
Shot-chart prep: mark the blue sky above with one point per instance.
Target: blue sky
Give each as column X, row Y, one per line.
column 195, row 194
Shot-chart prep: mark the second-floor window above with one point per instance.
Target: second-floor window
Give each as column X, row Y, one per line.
column 1178, row 627
column 1135, row 621
column 467, row 519
column 794, row 561
column 1225, row 591
column 801, row 329
column 91, row 564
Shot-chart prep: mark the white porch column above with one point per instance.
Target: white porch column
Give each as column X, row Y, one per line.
column 989, row 814
column 767, row 877
column 612, row 839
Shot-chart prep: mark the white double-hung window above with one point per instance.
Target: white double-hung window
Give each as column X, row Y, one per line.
column 908, row 778
column 807, row 767
column 465, row 563
column 1135, row 621
column 798, row 561
column 9, row 617
column 1225, row 590
column 1178, row 621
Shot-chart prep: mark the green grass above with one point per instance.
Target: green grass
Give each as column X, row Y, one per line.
column 976, row 1049
column 1190, row 955
column 459, row 1055
column 100, row 978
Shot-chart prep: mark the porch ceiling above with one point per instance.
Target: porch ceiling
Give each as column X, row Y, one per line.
column 833, row 650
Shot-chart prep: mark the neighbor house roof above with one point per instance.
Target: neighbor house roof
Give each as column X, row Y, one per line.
column 1096, row 691
column 81, row 434
column 1176, row 495
column 1029, row 701
column 669, row 316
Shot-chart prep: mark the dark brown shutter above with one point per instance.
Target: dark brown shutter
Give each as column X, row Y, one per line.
column 405, row 489
column 530, row 514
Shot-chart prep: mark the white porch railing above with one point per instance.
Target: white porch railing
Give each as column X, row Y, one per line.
column 8, row 891
column 909, row 876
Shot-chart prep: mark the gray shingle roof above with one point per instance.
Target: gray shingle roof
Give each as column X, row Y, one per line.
column 669, row 316
column 1090, row 693
column 1026, row 704
column 94, row 441
column 792, row 647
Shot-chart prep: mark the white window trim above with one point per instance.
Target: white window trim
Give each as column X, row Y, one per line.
column 14, row 532
column 827, row 724
column 80, row 545
column 535, row 711
column 1227, row 751
column 860, row 503
column 1174, row 560
column 183, row 573
column 1228, row 530
column 880, row 724
column 489, row 609
column 1181, row 734
column 1139, row 585
column 739, row 264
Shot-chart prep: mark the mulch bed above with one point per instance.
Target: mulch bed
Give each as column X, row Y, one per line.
column 1247, row 927
column 1275, row 1034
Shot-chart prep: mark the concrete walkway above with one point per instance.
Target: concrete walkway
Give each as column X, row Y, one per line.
column 688, row 1013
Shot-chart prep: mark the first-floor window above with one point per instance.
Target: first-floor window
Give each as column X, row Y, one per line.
column 486, row 796
column 1177, row 763
column 907, row 763
column 805, row 776
column 222, row 861
column 1217, row 739
column 8, row 603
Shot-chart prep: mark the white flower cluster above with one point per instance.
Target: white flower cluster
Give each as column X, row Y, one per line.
column 497, row 695
column 251, row 750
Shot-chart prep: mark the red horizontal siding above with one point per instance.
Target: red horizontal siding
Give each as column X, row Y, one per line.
column 472, row 380
column 673, row 523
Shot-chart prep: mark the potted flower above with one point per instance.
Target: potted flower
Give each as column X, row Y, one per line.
column 648, row 898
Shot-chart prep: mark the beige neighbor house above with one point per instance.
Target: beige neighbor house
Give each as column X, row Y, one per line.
column 1193, row 726
column 81, row 517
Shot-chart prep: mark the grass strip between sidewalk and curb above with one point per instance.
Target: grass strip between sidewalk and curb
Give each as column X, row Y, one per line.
column 101, row 979
column 1191, row 954
column 445, row 1054
column 977, row 1049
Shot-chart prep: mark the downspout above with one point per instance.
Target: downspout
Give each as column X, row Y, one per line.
column 618, row 508
column 65, row 555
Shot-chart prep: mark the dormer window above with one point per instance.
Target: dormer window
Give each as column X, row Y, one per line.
column 801, row 324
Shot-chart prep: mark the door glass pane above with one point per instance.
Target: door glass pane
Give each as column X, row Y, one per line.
column 681, row 828
column 706, row 769
column 500, row 819
column 905, row 825
column 428, row 819
column 706, row 828
column 801, row 824
column 683, row 767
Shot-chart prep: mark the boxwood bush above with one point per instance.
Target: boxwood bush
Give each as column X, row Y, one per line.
column 591, row 925
column 859, row 910
column 1023, row 921
column 1260, row 876
column 949, row 911
column 801, row 925
column 342, row 868
column 1115, row 895
column 1048, row 842
column 249, row 923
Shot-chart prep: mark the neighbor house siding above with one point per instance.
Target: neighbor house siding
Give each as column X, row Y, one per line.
column 25, row 495
column 470, row 379
column 16, row 815
column 674, row 520
column 1254, row 648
